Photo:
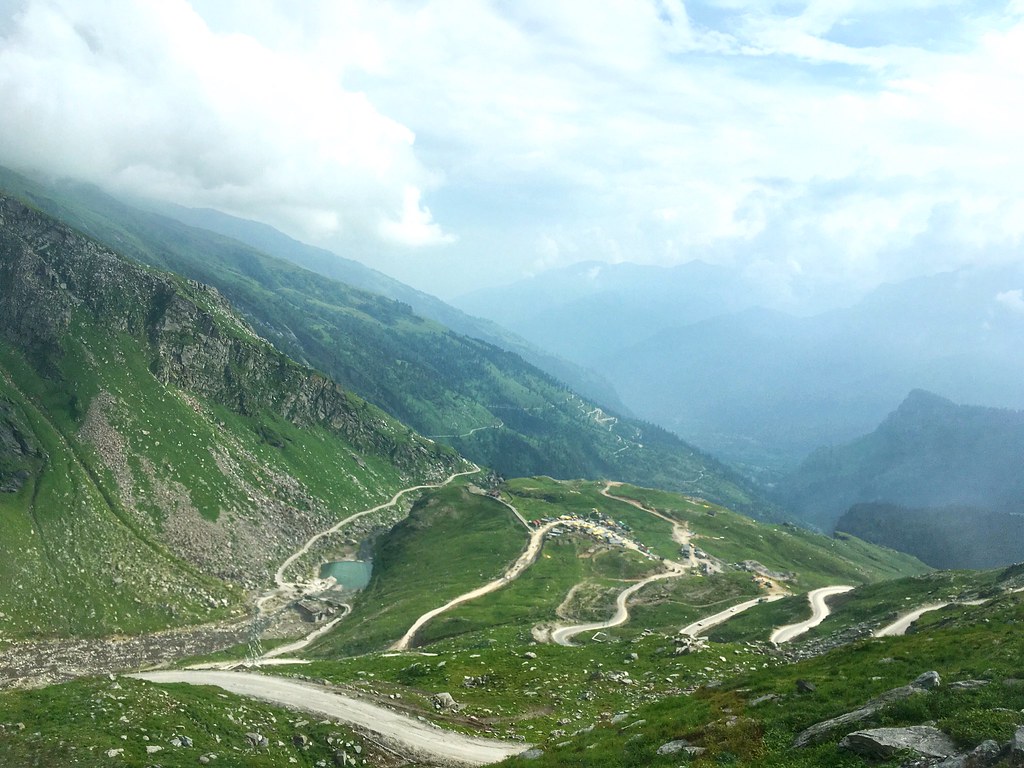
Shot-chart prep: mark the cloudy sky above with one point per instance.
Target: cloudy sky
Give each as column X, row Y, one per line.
column 457, row 143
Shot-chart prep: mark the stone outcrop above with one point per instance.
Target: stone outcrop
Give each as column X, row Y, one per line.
column 446, row 701
column 886, row 742
column 821, row 731
column 988, row 754
column 18, row 451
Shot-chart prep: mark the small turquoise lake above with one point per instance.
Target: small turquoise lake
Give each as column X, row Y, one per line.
column 350, row 574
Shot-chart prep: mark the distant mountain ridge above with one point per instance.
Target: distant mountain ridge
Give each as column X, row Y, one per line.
column 488, row 403
column 943, row 537
column 930, row 452
column 275, row 243
column 692, row 348
column 769, row 384
column 590, row 310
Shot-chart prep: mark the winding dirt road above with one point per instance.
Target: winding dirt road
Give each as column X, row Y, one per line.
column 409, row 734
column 514, row 572
column 701, row 626
column 680, row 532
column 819, row 612
column 902, row 624
column 564, row 635
column 298, row 645
column 284, row 587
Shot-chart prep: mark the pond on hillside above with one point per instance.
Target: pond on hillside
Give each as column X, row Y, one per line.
column 350, row 574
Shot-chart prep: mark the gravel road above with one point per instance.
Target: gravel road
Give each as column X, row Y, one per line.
column 406, row 733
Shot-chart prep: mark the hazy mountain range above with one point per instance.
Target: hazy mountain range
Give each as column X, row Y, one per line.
column 689, row 348
column 486, row 401
column 943, row 537
column 929, row 452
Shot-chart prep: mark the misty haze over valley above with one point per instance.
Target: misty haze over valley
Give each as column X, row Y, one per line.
column 392, row 383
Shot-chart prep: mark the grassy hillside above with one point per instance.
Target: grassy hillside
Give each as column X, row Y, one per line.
column 734, row 728
column 601, row 703
column 274, row 243
column 487, row 403
column 77, row 723
column 155, row 455
column 740, row 704
column 455, row 541
column 813, row 559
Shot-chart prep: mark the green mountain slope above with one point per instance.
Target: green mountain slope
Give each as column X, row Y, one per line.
column 455, row 541
column 274, row 243
column 489, row 404
column 155, row 454
column 736, row 704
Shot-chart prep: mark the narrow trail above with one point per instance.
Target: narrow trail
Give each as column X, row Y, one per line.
column 680, row 531
column 902, row 624
column 526, row 559
column 298, row 645
column 819, row 612
column 680, row 534
column 471, row 432
column 516, row 512
column 285, row 588
column 408, row 733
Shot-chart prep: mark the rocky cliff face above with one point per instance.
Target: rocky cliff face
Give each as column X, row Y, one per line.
column 18, row 452
column 49, row 272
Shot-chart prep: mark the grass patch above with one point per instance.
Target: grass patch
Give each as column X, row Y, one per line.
column 814, row 559
column 452, row 542
column 77, row 723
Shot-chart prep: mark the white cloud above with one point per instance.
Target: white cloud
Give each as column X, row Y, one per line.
column 149, row 100
column 1012, row 300
column 865, row 139
column 416, row 225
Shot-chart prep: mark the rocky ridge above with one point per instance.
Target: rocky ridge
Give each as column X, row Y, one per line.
column 154, row 451
column 48, row 272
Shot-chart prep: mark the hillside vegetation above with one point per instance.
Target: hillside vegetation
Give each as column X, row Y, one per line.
column 455, row 541
column 488, row 403
column 270, row 241
column 155, row 454
column 943, row 537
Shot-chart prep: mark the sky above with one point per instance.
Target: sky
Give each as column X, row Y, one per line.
column 819, row 147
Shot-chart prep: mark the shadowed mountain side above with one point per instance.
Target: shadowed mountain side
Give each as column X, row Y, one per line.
column 943, row 537
column 928, row 453
column 490, row 404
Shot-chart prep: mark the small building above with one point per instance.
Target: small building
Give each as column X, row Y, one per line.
column 314, row 609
